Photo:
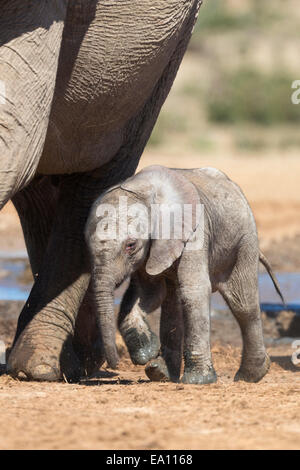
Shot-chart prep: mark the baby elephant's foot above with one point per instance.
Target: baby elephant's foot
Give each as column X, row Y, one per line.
column 157, row 370
column 197, row 370
column 141, row 347
column 197, row 378
column 254, row 371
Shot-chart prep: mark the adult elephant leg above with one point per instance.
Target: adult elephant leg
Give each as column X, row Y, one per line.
column 142, row 297
column 167, row 365
column 36, row 206
column 43, row 350
column 29, row 50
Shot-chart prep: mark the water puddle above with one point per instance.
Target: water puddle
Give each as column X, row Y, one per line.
column 14, row 282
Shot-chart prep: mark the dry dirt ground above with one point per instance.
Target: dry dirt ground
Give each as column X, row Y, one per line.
column 123, row 410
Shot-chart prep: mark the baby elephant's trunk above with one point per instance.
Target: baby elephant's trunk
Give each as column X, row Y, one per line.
column 104, row 301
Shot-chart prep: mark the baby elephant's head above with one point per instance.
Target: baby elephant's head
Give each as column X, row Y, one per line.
column 140, row 224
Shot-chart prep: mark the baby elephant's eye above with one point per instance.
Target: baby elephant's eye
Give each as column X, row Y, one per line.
column 130, row 246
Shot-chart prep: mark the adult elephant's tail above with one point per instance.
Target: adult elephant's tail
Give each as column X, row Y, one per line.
column 267, row 265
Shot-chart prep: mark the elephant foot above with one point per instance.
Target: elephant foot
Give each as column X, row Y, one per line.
column 157, row 370
column 141, row 347
column 198, row 369
column 197, row 378
column 253, row 372
column 43, row 363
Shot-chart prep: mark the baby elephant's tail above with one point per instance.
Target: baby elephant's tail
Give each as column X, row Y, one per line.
column 266, row 264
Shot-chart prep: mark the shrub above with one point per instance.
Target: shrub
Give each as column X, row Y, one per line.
column 249, row 95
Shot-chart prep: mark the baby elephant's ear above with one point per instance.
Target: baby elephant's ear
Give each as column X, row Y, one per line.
column 141, row 186
column 175, row 204
column 163, row 253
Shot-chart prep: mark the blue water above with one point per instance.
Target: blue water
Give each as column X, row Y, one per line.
column 13, row 293
column 11, row 288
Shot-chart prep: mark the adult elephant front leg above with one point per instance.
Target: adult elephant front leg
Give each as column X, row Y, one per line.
column 44, row 351
column 36, row 206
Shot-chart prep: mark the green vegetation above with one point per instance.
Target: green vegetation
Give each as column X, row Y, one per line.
column 233, row 91
column 168, row 124
column 202, row 144
column 216, row 16
column 289, row 142
column 249, row 95
column 249, row 143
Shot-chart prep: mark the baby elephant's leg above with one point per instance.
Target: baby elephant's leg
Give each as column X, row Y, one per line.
column 141, row 342
column 195, row 293
column 167, row 365
column 241, row 294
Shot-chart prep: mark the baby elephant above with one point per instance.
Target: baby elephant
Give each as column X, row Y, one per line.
column 179, row 235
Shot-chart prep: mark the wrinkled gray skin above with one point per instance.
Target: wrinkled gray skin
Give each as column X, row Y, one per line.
column 166, row 273
column 85, row 81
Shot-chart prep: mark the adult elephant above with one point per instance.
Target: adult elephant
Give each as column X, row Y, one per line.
column 84, row 82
